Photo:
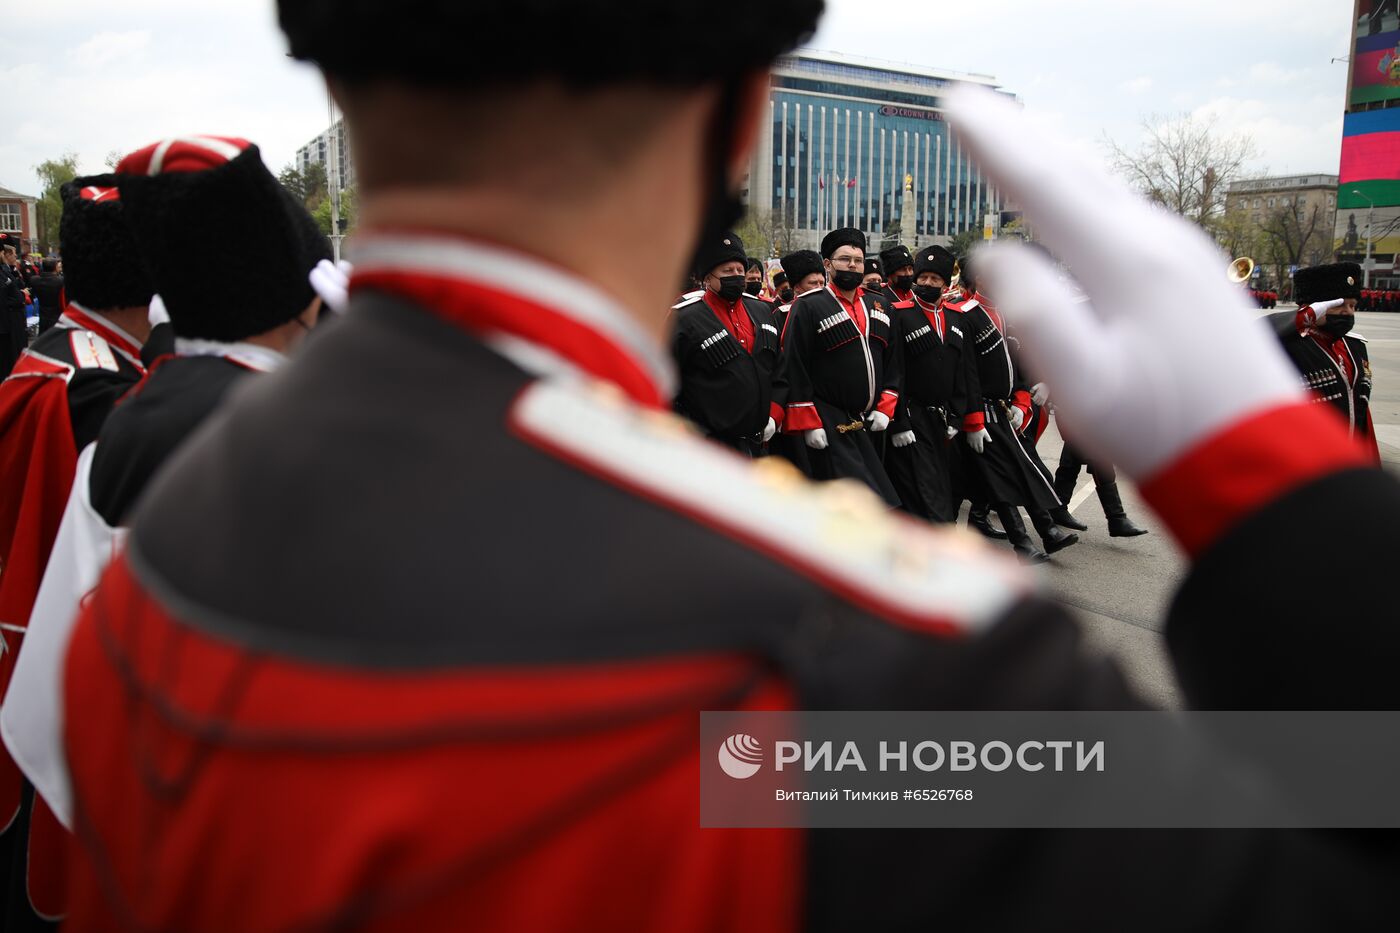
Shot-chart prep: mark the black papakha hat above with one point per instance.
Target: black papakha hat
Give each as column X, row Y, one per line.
column 198, row 215
column 1327, row 283
column 873, row 266
column 847, row 236
column 896, row 258
column 728, row 248
column 102, row 265
column 801, row 264
column 449, row 43
column 937, row 260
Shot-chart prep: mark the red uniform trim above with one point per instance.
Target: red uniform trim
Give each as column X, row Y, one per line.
column 777, row 413
column 1228, row 477
column 975, row 421
column 802, row 416
column 889, row 401
column 1022, row 400
column 220, row 789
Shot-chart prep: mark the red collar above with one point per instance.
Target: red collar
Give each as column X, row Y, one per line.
column 78, row 317
column 717, row 303
column 496, row 292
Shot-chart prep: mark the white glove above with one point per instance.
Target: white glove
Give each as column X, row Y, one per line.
column 877, row 421
column 952, row 433
column 1133, row 383
column 903, row 439
column 1018, row 419
column 769, row 430
column 332, row 283
column 979, row 439
column 156, row 314
column 817, row 439
column 1040, row 394
column 1321, row 309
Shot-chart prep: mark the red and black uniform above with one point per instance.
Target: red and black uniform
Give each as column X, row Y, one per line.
column 726, row 355
column 1009, row 469
column 937, row 389
column 53, row 404
column 426, row 651
column 1337, row 370
column 837, row 368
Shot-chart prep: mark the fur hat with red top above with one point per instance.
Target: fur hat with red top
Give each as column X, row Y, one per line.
column 198, row 204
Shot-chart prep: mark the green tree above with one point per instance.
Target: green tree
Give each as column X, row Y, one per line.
column 962, row 244
column 349, row 212
column 294, row 182
column 314, row 185
column 54, row 174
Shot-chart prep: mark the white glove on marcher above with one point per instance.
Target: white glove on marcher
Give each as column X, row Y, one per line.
column 817, row 439
column 769, row 430
column 877, row 421
column 332, row 283
column 156, row 314
column 1018, row 419
column 903, row 439
column 952, row 433
column 1134, row 383
column 978, row 440
column 1322, row 308
column 1040, row 394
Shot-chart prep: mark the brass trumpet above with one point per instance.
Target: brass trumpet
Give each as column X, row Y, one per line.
column 1241, row 270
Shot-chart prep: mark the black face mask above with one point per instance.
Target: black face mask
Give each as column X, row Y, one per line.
column 847, row 280
column 788, row 295
column 1338, row 326
column 753, row 288
column 902, row 282
column 731, row 287
column 928, row 294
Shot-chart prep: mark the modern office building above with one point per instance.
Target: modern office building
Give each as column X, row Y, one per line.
column 319, row 150
column 1368, row 195
column 849, row 136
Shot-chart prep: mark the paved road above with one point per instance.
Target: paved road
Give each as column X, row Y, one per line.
column 1121, row 589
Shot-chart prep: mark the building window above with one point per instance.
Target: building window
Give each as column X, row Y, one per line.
column 10, row 218
column 1331, row 200
column 1271, row 202
column 1287, row 202
column 1256, row 204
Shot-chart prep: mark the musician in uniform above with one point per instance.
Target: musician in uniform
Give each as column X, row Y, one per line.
column 725, row 346
column 837, row 369
column 1332, row 359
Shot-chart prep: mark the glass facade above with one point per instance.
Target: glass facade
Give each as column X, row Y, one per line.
column 846, row 141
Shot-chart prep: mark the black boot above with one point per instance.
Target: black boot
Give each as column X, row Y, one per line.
column 1055, row 540
column 1016, row 531
column 1119, row 525
column 1064, row 519
column 979, row 520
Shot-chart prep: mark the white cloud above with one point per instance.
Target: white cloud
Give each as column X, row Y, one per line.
column 1139, row 85
column 111, row 48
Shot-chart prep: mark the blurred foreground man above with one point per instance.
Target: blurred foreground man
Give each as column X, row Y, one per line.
column 415, row 636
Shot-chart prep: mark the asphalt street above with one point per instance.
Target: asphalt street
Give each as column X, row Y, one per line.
column 1120, row 589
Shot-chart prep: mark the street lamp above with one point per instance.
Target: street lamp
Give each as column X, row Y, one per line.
column 1370, row 215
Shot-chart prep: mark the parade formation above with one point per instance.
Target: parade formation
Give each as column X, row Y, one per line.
column 387, row 598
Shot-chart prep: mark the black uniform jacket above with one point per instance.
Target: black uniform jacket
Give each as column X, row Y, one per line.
column 440, row 618
column 724, row 388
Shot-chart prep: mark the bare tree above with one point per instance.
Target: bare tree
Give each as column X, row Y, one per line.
column 1292, row 235
column 113, row 159
column 1184, row 164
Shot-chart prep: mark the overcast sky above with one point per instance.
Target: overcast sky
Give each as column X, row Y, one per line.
column 90, row 77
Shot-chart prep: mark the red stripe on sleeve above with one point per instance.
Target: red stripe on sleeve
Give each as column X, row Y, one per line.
column 802, row 418
column 974, row 422
column 889, row 401
column 1239, row 471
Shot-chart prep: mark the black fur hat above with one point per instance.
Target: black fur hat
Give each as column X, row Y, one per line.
column 229, row 249
column 896, row 258
column 846, row 236
column 728, row 248
column 937, row 260
column 703, row 42
column 801, row 264
column 1327, row 283
column 102, row 264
